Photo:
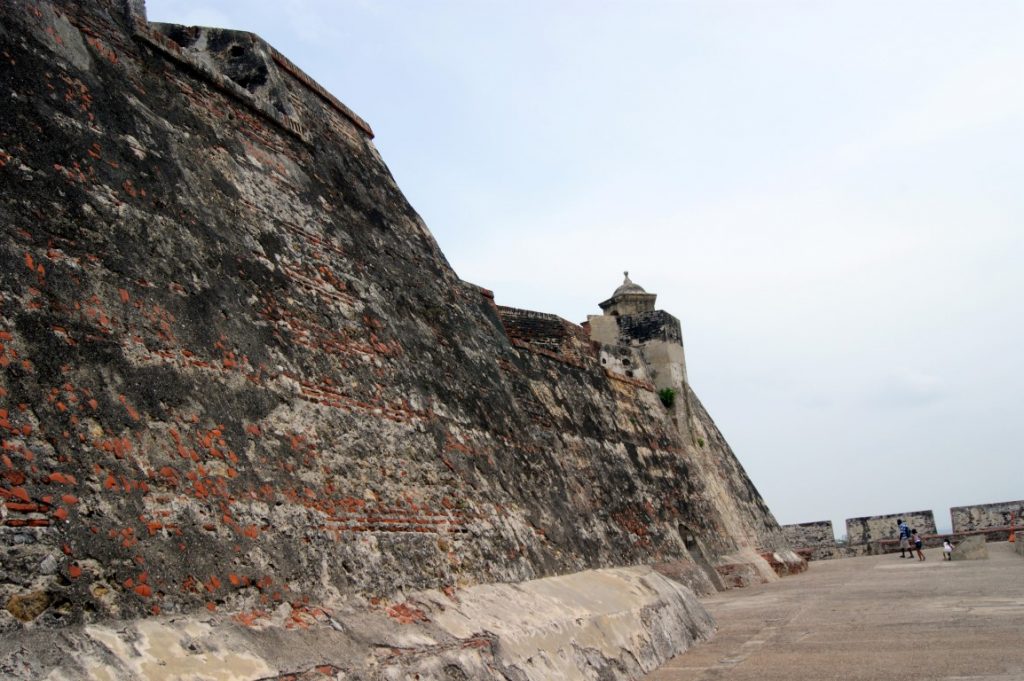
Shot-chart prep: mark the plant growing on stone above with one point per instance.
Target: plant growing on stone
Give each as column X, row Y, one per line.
column 668, row 396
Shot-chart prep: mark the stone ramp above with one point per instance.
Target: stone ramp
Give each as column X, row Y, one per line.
column 611, row 624
column 869, row 618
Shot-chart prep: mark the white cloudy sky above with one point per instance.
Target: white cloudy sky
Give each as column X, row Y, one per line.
column 827, row 194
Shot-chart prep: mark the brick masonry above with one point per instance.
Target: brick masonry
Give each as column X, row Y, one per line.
column 238, row 373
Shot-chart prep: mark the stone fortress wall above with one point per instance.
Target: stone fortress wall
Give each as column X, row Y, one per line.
column 877, row 534
column 870, row 529
column 814, row 540
column 239, row 377
column 986, row 516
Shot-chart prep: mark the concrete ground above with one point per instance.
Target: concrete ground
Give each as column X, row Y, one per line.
column 877, row 617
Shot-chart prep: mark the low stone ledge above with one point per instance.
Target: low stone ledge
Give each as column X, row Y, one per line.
column 703, row 580
column 785, row 562
column 610, row 624
column 971, row 548
column 746, row 567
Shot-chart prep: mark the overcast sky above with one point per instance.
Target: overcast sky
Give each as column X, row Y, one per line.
column 830, row 196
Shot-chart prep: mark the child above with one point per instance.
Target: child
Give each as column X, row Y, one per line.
column 915, row 538
column 947, row 550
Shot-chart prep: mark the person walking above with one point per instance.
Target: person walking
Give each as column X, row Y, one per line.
column 916, row 538
column 904, row 539
column 947, row 550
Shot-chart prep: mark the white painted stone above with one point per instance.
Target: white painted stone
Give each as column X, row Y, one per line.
column 546, row 627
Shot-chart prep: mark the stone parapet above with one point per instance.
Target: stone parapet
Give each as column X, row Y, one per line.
column 986, row 516
column 872, row 529
column 647, row 326
column 872, row 535
column 814, row 540
column 544, row 331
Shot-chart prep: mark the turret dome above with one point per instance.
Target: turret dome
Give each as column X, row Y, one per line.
column 628, row 287
column 629, row 298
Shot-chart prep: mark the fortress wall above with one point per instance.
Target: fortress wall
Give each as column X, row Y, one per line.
column 237, row 372
column 814, row 539
column 878, row 533
column 545, row 331
column 810, row 534
column 987, row 516
column 661, row 345
column 868, row 529
column 626, row 362
column 666, row 489
column 548, row 334
column 261, row 76
column 630, row 621
column 744, row 518
column 646, row 326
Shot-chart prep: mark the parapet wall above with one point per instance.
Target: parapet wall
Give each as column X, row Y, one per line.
column 986, row 516
column 648, row 326
column 816, row 540
column 869, row 529
column 540, row 331
column 269, row 77
column 878, row 534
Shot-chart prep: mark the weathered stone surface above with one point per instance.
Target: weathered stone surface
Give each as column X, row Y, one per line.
column 700, row 577
column 614, row 623
column 816, row 540
column 785, row 562
column 987, row 516
column 877, row 534
column 872, row 529
column 1018, row 542
column 239, row 377
column 28, row 606
column 608, row 624
column 971, row 548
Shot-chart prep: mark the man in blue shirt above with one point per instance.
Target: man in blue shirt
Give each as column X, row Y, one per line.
column 904, row 539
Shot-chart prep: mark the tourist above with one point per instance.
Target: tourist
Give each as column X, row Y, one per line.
column 947, row 550
column 916, row 538
column 904, row 539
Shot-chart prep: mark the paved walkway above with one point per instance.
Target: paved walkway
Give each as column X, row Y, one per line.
column 879, row 617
